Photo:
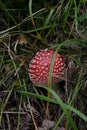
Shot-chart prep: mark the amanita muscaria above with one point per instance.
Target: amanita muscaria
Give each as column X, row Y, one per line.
column 39, row 67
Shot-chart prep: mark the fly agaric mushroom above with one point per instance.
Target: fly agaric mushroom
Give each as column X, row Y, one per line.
column 39, row 67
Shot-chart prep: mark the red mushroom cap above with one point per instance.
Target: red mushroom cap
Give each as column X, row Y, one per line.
column 40, row 65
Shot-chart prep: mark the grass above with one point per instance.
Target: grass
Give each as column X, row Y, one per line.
column 25, row 29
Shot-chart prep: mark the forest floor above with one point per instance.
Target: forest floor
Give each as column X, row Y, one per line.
column 25, row 28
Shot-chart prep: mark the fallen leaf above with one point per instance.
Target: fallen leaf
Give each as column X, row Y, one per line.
column 22, row 39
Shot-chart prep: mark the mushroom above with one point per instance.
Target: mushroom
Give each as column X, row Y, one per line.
column 39, row 67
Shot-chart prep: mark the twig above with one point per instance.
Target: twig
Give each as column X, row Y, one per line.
column 12, row 59
column 9, row 126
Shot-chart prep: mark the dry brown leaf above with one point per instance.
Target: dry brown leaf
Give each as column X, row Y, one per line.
column 61, row 128
column 22, row 39
column 46, row 124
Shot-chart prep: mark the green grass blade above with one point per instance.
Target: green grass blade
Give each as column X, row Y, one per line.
column 81, row 115
column 49, row 17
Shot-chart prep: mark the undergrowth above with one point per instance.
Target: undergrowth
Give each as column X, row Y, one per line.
column 25, row 28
